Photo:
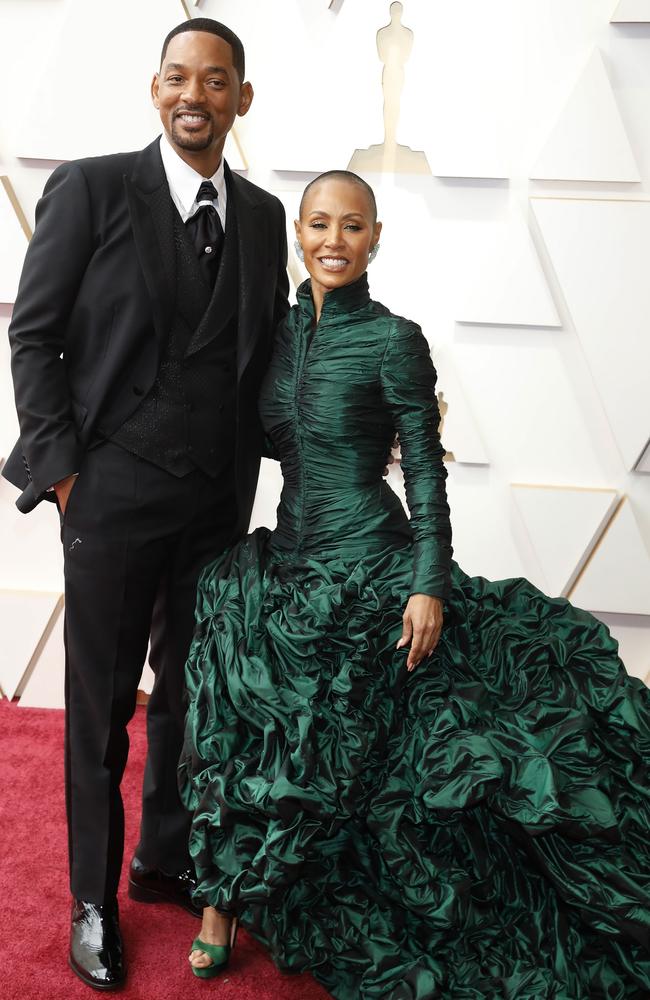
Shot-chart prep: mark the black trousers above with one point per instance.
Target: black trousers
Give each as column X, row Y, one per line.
column 135, row 540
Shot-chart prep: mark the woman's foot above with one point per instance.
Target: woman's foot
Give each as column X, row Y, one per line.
column 215, row 929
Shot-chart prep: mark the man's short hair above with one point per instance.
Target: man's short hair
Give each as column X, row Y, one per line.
column 213, row 28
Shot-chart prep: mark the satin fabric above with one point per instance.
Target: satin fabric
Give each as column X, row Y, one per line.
column 477, row 829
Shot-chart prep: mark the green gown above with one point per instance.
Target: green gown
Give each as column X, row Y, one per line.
column 475, row 830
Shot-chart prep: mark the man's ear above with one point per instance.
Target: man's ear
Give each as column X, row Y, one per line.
column 155, row 84
column 246, row 95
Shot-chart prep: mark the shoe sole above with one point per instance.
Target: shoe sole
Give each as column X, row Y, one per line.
column 104, row 987
column 142, row 895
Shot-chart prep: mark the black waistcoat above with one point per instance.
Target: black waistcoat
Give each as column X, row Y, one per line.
column 187, row 420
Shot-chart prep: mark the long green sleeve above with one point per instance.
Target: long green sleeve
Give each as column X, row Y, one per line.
column 408, row 381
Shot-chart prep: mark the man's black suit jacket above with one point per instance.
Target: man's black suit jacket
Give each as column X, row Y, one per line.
column 94, row 306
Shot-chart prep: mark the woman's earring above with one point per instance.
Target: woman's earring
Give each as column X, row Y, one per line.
column 297, row 246
column 373, row 253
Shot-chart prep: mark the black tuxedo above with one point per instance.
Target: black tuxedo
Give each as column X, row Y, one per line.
column 101, row 299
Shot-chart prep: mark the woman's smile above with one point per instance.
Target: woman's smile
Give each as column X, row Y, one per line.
column 334, row 263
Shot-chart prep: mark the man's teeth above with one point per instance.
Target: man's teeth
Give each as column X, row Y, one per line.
column 192, row 118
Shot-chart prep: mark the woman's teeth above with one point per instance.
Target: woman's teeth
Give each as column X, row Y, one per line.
column 334, row 263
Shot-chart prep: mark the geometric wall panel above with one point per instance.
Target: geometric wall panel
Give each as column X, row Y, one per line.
column 13, row 244
column 600, row 251
column 617, row 577
column 45, row 686
column 503, row 282
column 632, row 11
column 564, row 524
column 589, row 142
column 24, row 619
column 113, row 119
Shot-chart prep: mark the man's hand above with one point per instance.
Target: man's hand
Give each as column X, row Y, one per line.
column 63, row 490
column 422, row 626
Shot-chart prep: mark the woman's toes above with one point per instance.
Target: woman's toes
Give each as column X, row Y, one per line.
column 199, row 959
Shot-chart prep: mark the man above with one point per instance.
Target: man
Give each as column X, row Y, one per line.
column 140, row 334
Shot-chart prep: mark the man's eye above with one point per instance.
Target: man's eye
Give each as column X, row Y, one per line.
column 174, row 79
column 217, row 83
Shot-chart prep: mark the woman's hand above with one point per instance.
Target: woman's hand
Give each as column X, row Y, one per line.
column 422, row 620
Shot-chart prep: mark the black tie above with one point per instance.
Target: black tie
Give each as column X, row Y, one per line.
column 206, row 232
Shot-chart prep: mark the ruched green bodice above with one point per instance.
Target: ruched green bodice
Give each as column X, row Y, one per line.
column 476, row 830
column 333, row 399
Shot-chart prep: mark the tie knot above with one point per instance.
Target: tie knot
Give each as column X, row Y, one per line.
column 207, row 192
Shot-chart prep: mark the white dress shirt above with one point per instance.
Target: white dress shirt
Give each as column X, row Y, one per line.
column 184, row 183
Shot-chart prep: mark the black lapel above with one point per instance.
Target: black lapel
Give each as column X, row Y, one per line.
column 252, row 225
column 151, row 210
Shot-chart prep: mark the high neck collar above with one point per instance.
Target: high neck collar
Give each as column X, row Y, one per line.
column 338, row 301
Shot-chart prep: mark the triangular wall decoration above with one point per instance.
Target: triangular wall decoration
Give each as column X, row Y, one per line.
column 503, row 282
column 600, row 250
column 632, row 12
column 563, row 524
column 617, row 576
column 589, row 142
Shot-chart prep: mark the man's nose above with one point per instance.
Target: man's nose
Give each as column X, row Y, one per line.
column 193, row 92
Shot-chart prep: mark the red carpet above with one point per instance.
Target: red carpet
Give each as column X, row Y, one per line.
column 34, row 899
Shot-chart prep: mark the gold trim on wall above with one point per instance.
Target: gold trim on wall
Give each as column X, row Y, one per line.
column 15, row 204
column 594, row 549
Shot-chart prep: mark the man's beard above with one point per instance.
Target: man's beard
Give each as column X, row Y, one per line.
column 192, row 142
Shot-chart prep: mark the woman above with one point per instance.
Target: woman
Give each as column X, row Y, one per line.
column 474, row 828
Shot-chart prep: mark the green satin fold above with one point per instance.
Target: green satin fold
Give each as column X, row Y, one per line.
column 476, row 829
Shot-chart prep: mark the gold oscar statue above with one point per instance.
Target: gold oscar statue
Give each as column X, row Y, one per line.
column 394, row 44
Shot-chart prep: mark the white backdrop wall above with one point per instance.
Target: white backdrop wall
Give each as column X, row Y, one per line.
column 522, row 249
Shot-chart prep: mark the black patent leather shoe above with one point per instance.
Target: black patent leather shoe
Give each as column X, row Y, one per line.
column 96, row 953
column 152, row 885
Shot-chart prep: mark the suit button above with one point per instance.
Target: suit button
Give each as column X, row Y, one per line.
column 137, row 391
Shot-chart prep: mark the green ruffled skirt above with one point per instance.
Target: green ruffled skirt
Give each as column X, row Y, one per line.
column 478, row 829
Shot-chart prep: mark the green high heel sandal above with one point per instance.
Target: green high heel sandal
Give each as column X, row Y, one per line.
column 219, row 953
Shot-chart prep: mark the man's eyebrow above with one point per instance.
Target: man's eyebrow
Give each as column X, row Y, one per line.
column 207, row 69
